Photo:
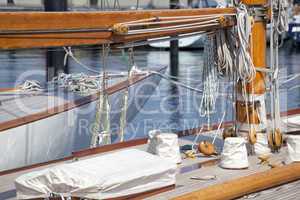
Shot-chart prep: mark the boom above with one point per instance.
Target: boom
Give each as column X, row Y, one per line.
column 41, row 29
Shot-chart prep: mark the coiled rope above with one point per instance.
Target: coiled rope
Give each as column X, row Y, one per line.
column 31, row 86
column 245, row 67
column 79, row 83
column 225, row 59
column 280, row 7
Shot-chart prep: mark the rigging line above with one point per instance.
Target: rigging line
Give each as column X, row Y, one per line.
column 162, row 39
column 170, row 22
column 272, row 35
column 123, row 117
column 177, row 82
column 174, row 29
column 177, row 26
column 196, row 138
column 69, row 52
column 117, row 4
column 177, row 17
column 219, row 127
column 294, row 87
column 291, row 79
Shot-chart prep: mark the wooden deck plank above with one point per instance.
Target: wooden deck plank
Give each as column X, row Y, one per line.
column 289, row 191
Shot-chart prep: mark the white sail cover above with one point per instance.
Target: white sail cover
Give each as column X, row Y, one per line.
column 111, row 175
column 234, row 154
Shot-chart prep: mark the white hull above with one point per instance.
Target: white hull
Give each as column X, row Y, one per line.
column 59, row 135
column 190, row 42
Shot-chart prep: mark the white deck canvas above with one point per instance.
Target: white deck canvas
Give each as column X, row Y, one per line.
column 111, row 175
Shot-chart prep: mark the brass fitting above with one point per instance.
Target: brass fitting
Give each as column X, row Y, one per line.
column 275, row 140
column 120, row 29
column 223, row 21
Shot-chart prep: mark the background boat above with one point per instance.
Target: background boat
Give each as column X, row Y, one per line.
column 294, row 30
column 194, row 42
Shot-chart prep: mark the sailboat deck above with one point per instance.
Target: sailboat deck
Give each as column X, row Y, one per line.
column 189, row 168
column 15, row 103
column 186, row 184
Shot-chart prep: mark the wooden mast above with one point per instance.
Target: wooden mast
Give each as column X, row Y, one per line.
column 256, row 89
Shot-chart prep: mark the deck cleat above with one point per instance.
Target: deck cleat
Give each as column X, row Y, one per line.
column 229, row 132
column 252, row 135
column 207, row 148
column 275, row 140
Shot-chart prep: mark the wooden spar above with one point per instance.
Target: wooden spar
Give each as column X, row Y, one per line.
column 255, row 88
column 255, row 2
column 246, row 185
column 86, row 28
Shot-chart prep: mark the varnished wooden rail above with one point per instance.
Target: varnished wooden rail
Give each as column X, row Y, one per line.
column 246, row 185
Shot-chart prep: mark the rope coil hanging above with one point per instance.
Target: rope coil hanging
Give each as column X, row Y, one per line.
column 245, row 66
column 225, row 57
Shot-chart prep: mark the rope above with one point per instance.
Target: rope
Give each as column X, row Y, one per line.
column 280, row 7
column 210, row 81
column 69, row 53
column 180, row 20
column 225, row 57
column 168, row 24
column 176, row 82
column 176, row 28
column 245, row 66
column 123, row 116
column 102, row 110
column 279, row 24
column 132, row 69
column 117, row 4
column 196, row 139
column 219, row 127
column 31, row 86
column 174, row 18
column 79, row 83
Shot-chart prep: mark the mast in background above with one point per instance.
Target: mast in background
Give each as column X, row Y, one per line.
column 55, row 56
column 93, row 3
column 174, row 46
column 10, row 2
